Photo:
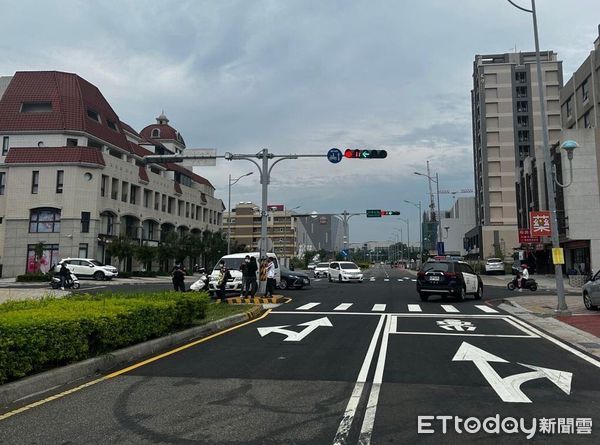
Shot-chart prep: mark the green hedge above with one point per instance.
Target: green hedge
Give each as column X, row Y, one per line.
column 38, row 276
column 38, row 335
column 363, row 264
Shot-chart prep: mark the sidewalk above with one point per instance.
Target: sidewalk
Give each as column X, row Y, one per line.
column 545, row 282
column 11, row 294
column 581, row 329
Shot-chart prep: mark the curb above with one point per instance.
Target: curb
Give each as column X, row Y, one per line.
column 49, row 380
column 569, row 334
column 255, row 300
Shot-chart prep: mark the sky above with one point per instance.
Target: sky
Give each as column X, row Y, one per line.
column 300, row 77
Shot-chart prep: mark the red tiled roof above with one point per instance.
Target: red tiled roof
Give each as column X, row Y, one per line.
column 138, row 150
column 58, row 155
column 166, row 132
column 70, row 95
column 143, row 174
column 178, row 188
column 129, row 128
column 196, row 178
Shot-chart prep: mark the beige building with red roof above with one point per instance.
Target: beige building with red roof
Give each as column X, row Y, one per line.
column 72, row 175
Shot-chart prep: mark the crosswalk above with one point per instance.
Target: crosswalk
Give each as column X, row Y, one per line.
column 373, row 279
column 379, row 307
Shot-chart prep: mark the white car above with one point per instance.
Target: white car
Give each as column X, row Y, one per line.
column 89, row 267
column 321, row 270
column 311, row 266
column 233, row 263
column 344, row 271
column 494, row 265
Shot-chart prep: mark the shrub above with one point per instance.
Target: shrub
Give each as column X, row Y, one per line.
column 37, row 276
column 143, row 273
column 124, row 274
column 37, row 335
column 363, row 264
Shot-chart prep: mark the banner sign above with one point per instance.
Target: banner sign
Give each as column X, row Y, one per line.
column 526, row 238
column 539, row 224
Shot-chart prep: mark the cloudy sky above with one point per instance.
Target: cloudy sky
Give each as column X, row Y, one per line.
column 300, row 76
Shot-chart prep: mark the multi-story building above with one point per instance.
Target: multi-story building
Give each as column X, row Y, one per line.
column 507, row 128
column 580, row 202
column 324, row 231
column 456, row 222
column 72, row 175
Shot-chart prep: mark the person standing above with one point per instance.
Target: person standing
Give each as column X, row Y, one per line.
column 178, row 279
column 252, row 269
column 271, row 282
column 224, row 276
column 245, row 276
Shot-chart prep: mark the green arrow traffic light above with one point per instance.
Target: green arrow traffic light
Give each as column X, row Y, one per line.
column 365, row 154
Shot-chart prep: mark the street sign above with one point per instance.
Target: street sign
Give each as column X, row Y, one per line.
column 373, row 213
column 293, row 335
column 344, row 252
column 334, row 155
column 526, row 238
column 509, row 388
column 540, row 224
column 558, row 256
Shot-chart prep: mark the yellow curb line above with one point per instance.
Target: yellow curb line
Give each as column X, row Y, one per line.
column 129, row 368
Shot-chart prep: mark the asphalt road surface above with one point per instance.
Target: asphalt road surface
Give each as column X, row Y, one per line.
column 342, row 363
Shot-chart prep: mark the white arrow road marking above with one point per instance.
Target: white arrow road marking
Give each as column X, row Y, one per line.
column 307, row 306
column 293, row 335
column 414, row 308
column 509, row 388
column 449, row 308
column 484, row 308
column 378, row 307
column 342, row 307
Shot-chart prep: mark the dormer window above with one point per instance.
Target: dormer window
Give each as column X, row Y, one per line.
column 36, row 107
column 93, row 115
column 156, row 133
column 111, row 125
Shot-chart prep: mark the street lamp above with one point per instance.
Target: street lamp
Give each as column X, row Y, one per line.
column 561, row 307
column 229, row 207
column 437, row 187
column 407, row 222
column 418, row 206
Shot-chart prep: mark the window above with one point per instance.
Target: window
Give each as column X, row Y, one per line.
column 59, row 181
column 187, row 209
column 585, row 90
column 164, row 203
column 524, row 151
column 155, row 133
column 5, row 140
column 44, row 220
column 103, row 184
column 48, row 259
column 36, row 107
column 124, row 191
column 2, row 182
column 72, row 142
column 114, row 190
column 93, row 115
column 147, row 195
column 94, row 144
column 170, row 205
column 521, row 91
column 111, row 125
column 520, row 76
column 180, row 207
column 522, row 106
column 568, row 107
column 135, row 191
column 35, row 179
column 85, row 222
column 523, row 136
column 156, row 200
column 110, row 224
column 83, row 250
column 523, row 121
column 587, row 123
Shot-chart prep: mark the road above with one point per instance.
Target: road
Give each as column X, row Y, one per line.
column 341, row 363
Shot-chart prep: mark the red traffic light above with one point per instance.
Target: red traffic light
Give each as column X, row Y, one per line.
column 365, row 154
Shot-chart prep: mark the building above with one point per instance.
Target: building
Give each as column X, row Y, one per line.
column 507, row 129
column 580, row 202
column 324, row 231
column 72, row 176
column 456, row 222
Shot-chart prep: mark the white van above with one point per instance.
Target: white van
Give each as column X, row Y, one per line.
column 233, row 263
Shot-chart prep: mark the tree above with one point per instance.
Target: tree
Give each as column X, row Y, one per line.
column 38, row 251
column 307, row 257
column 145, row 254
column 166, row 250
column 121, row 247
column 215, row 245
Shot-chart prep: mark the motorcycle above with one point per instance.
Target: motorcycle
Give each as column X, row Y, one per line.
column 72, row 282
column 202, row 283
column 529, row 284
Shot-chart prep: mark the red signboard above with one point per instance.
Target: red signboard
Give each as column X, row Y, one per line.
column 539, row 224
column 275, row 208
column 526, row 238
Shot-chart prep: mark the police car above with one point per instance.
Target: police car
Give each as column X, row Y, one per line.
column 447, row 276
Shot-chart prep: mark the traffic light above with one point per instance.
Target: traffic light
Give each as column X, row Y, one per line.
column 365, row 154
column 389, row 212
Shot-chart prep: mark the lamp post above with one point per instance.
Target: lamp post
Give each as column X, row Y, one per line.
column 229, row 207
column 418, row 206
column 401, row 252
column 437, row 189
column 561, row 307
column 407, row 222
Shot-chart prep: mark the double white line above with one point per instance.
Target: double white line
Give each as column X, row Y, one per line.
column 366, row 430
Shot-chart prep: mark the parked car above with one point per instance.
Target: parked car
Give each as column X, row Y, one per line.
column 291, row 278
column 494, row 265
column 89, row 267
column 344, row 271
column 311, row 266
column 591, row 293
column 233, row 263
column 448, row 277
column 321, row 270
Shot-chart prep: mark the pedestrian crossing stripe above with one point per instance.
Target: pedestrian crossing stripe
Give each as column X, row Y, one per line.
column 343, row 307
column 414, row 308
column 307, row 306
column 378, row 307
column 448, row 308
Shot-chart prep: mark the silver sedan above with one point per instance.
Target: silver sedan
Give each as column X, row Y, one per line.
column 591, row 292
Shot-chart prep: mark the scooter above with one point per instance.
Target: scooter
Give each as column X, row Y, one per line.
column 72, row 282
column 529, row 284
column 202, row 283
